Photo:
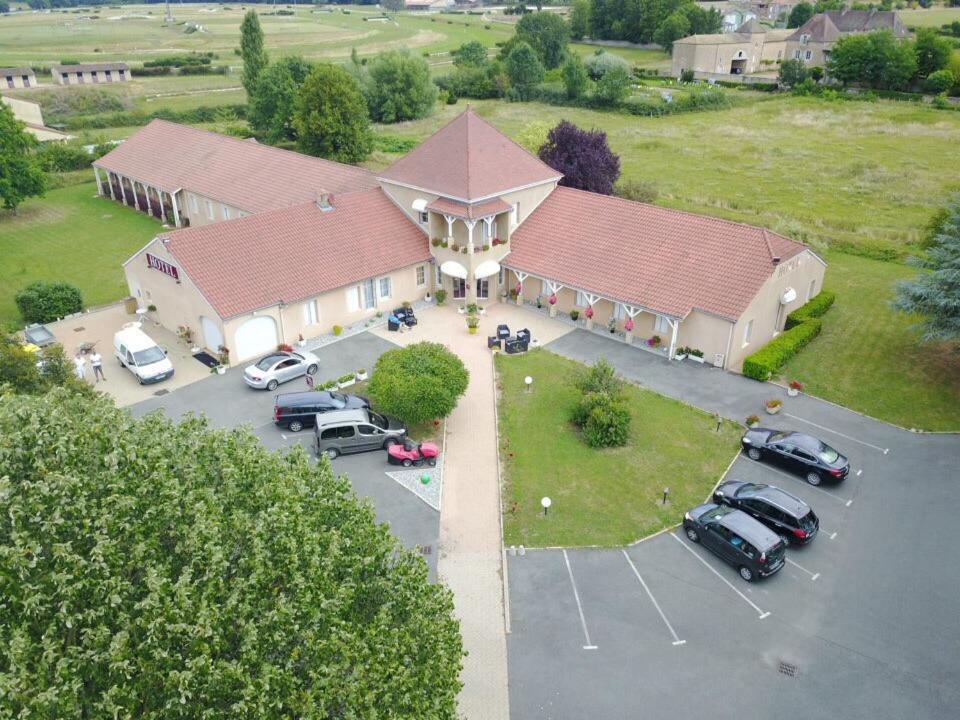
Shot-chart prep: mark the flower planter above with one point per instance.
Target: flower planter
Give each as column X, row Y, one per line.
column 472, row 330
column 221, row 369
column 680, row 357
column 792, row 392
column 753, row 425
column 347, row 383
column 696, row 358
column 773, row 410
column 361, row 376
column 194, row 350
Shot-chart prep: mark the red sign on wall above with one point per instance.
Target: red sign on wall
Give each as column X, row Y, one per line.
column 163, row 266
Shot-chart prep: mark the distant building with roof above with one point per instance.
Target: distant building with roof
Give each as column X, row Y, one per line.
column 751, row 49
column 14, row 78
column 813, row 41
column 269, row 245
column 90, row 73
column 31, row 116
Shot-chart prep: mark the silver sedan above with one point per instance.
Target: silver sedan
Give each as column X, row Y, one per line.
column 278, row 367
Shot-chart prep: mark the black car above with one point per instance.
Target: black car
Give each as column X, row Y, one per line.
column 799, row 453
column 734, row 536
column 299, row 410
column 787, row 515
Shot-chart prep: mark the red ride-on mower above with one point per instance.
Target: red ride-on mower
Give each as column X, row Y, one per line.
column 409, row 453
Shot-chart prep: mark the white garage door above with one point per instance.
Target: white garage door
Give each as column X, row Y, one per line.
column 212, row 337
column 255, row 337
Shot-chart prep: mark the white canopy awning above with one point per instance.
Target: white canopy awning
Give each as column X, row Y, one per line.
column 788, row 296
column 487, row 268
column 454, row 269
column 419, row 205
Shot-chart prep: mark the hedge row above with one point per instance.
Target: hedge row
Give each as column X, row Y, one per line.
column 138, row 117
column 813, row 309
column 774, row 355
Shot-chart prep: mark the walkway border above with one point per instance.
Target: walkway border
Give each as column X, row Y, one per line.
column 503, row 547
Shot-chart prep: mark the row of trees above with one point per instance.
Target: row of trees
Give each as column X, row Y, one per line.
column 879, row 60
column 642, row 21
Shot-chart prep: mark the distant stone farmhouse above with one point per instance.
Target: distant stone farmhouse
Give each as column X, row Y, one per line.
column 90, row 74
column 754, row 48
column 17, row 77
column 270, row 245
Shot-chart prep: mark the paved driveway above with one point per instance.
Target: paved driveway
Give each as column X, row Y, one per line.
column 863, row 623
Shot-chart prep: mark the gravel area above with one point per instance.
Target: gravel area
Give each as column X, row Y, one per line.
column 412, row 479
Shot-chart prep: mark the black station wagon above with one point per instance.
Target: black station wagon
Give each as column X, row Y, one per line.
column 787, row 515
column 805, row 455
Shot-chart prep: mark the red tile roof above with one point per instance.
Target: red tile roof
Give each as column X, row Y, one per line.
column 297, row 252
column 470, row 212
column 241, row 173
column 468, row 159
column 667, row 261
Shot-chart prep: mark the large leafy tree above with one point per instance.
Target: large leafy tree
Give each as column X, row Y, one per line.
column 575, row 78
column 876, row 59
column 272, row 104
column 417, row 383
column 935, row 293
column 524, row 69
column 28, row 372
column 252, row 52
column 673, row 28
column 154, row 570
column 580, row 19
column 470, row 54
column 21, row 176
column 548, row 34
column 800, row 13
column 583, row 156
column 932, row 50
column 331, row 116
column 398, row 87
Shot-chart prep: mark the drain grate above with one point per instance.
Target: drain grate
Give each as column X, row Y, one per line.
column 79, row 329
column 426, row 550
column 160, row 393
column 788, row 669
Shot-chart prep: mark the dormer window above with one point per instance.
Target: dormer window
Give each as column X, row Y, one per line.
column 804, row 39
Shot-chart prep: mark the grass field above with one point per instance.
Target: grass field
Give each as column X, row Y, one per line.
column 931, row 17
column 69, row 235
column 869, row 359
column 600, row 497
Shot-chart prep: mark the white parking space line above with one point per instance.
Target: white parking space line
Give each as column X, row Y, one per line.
column 813, row 576
column 576, row 596
column 709, row 567
column 831, row 535
column 676, row 638
column 836, row 432
column 807, row 485
column 859, row 472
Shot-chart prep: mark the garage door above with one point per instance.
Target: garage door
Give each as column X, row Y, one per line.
column 255, row 337
column 212, row 337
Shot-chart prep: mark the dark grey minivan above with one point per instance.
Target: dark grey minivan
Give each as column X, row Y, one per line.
column 732, row 535
column 340, row 432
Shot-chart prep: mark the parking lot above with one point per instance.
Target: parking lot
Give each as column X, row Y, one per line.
column 862, row 622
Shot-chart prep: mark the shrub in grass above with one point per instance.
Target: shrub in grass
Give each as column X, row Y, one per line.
column 600, row 378
column 762, row 364
column 813, row 309
column 42, row 302
column 420, row 382
column 608, row 424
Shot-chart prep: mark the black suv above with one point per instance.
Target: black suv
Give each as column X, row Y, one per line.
column 734, row 536
column 787, row 515
column 799, row 453
column 299, row 410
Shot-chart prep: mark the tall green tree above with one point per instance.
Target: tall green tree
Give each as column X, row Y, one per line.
column 935, row 294
column 876, row 59
column 548, row 34
column 524, row 69
column 672, row 29
column 398, row 87
column 21, row 176
column 252, row 52
column 580, row 19
column 575, row 78
column 158, row 570
column 800, row 13
column 614, row 86
column 271, row 107
column 471, row 53
column 420, row 382
column 331, row 116
column 932, row 50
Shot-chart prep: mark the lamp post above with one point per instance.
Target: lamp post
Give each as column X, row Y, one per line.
column 528, row 382
column 546, row 503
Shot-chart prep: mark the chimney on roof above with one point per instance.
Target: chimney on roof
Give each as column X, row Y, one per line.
column 324, row 200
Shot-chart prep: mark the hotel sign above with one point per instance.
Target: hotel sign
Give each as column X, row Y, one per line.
column 163, row 266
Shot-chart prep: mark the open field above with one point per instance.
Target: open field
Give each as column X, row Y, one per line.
column 600, row 497
column 932, row 17
column 70, row 235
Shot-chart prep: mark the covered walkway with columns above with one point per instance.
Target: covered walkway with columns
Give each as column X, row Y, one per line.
column 162, row 204
column 596, row 309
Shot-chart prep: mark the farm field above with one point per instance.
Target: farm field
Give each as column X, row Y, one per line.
column 931, row 17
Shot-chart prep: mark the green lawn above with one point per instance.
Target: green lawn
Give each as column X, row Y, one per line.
column 868, row 357
column 600, row 497
column 931, row 17
column 70, row 235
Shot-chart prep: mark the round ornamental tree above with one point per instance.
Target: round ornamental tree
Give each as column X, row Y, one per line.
column 583, row 156
column 330, row 116
column 417, row 383
column 158, row 570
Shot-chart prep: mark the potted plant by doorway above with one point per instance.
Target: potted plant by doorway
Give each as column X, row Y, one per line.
column 441, row 296
column 773, row 406
column 473, row 322
column 794, row 388
column 753, row 421
column 681, row 353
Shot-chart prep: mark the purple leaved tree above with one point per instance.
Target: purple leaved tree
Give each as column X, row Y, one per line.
column 583, row 156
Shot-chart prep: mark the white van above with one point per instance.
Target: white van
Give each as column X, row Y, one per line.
column 141, row 355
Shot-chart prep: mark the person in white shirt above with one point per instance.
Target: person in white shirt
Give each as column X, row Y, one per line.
column 80, row 366
column 97, row 363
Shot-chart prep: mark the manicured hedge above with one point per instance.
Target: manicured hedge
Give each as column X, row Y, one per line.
column 813, row 309
column 774, row 355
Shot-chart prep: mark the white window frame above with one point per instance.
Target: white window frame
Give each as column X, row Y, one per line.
column 310, row 316
column 421, row 275
column 808, row 55
column 226, row 211
column 545, row 289
column 515, row 214
column 483, row 288
column 381, row 295
column 660, row 324
column 424, row 217
column 747, row 332
column 796, row 54
column 439, row 277
column 210, row 213
column 581, row 300
column 619, row 311
column 194, row 205
column 354, row 298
